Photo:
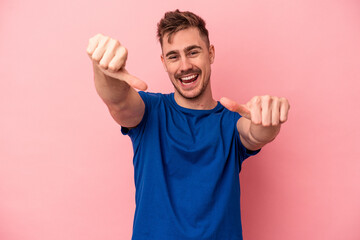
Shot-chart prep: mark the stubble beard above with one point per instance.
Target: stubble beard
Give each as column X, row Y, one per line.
column 198, row 95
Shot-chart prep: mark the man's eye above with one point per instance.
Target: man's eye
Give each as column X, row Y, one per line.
column 194, row 53
column 172, row 57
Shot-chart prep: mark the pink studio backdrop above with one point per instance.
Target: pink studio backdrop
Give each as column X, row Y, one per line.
column 66, row 171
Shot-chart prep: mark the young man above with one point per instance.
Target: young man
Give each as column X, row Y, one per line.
column 188, row 148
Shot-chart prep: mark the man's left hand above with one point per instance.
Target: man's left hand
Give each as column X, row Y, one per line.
column 261, row 110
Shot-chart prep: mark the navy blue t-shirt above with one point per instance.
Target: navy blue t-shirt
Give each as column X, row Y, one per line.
column 186, row 170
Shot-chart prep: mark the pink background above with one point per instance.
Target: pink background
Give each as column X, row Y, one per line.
column 66, row 171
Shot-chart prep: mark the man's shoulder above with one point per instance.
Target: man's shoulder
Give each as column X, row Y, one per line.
column 154, row 94
column 154, row 99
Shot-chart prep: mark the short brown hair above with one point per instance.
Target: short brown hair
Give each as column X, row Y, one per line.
column 175, row 21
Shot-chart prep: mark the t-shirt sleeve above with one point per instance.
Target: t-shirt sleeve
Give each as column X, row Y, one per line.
column 243, row 152
column 246, row 152
column 134, row 133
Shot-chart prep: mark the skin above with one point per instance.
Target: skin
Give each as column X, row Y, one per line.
column 186, row 54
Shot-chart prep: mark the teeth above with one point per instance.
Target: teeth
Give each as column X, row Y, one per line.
column 188, row 78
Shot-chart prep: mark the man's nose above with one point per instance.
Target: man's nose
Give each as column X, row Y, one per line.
column 185, row 64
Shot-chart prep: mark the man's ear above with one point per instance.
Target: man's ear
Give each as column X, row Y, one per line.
column 212, row 53
column 163, row 62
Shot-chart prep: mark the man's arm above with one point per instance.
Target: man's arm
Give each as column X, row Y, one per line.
column 113, row 83
column 261, row 121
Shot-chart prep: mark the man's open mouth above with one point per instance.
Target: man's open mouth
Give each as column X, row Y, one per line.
column 189, row 79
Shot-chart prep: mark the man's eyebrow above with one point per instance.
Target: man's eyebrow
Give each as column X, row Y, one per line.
column 189, row 48
column 171, row 52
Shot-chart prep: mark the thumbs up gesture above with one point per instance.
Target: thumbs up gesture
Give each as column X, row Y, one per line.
column 261, row 110
column 110, row 57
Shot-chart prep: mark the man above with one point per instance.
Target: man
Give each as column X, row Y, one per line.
column 188, row 148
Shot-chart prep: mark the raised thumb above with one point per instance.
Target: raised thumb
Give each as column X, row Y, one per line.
column 235, row 107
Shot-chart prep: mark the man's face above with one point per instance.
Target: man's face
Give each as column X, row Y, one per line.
column 187, row 60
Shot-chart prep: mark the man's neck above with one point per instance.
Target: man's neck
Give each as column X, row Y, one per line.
column 203, row 102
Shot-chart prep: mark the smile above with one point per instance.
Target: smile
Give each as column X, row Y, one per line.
column 189, row 79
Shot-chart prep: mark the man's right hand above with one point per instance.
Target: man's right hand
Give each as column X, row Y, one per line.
column 110, row 57
column 113, row 83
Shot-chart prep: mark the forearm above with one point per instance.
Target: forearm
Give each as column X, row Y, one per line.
column 112, row 91
column 263, row 135
column 255, row 136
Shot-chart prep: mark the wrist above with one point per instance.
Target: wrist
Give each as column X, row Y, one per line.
column 263, row 134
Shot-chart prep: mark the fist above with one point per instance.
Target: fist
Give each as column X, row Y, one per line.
column 261, row 110
column 107, row 52
column 110, row 57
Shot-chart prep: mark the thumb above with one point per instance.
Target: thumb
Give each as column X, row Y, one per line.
column 235, row 107
column 124, row 75
column 132, row 80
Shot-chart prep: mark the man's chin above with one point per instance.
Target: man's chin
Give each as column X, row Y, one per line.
column 190, row 95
